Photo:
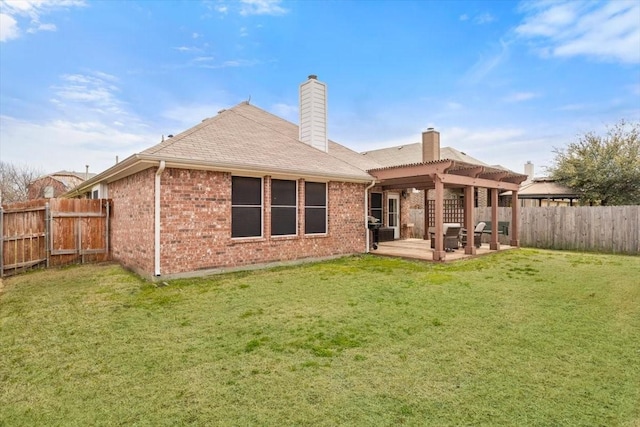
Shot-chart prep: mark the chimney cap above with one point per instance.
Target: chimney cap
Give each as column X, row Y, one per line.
column 313, row 77
column 430, row 129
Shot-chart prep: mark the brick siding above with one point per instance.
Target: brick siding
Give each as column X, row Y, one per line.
column 196, row 224
column 132, row 231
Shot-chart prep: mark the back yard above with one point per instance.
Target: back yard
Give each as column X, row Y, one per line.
column 526, row 337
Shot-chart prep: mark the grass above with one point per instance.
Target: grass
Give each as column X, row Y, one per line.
column 527, row 337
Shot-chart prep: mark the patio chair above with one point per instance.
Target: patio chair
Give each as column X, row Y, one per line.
column 477, row 235
column 451, row 237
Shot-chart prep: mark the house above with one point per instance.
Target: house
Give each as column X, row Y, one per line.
column 543, row 191
column 546, row 191
column 56, row 184
column 246, row 187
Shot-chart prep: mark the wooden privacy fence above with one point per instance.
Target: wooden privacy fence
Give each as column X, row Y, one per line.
column 50, row 232
column 613, row 229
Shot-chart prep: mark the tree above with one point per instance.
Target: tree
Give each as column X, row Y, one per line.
column 603, row 170
column 15, row 180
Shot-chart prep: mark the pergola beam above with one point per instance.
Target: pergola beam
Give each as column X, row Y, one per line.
column 478, row 182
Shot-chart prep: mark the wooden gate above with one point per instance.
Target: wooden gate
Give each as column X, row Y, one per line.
column 49, row 232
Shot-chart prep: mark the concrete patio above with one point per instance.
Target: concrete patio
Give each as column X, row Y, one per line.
column 421, row 249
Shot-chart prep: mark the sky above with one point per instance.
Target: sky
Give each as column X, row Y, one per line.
column 506, row 82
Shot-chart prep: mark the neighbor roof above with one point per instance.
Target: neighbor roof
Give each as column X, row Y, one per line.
column 412, row 153
column 545, row 188
column 68, row 179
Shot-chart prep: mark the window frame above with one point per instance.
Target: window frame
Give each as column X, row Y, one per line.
column 260, row 207
column 294, row 206
column 325, row 207
column 380, row 209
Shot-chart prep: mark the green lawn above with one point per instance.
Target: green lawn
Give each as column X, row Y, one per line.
column 518, row 338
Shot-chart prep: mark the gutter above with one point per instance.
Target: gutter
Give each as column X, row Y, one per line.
column 161, row 167
column 366, row 214
column 138, row 162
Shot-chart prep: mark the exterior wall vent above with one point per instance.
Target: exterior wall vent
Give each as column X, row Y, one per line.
column 313, row 113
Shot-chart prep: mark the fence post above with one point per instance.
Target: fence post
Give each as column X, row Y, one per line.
column 106, row 238
column 1, row 241
column 48, row 241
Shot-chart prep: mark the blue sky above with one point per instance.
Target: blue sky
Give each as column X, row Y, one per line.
column 82, row 82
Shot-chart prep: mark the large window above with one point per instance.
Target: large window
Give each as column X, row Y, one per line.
column 246, row 207
column 376, row 206
column 284, row 211
column 315, row 209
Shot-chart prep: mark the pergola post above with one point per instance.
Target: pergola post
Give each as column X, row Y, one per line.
column 515, row 219
column 495, row 244
column 469, row 219
column 438, row 251
column 426, row 215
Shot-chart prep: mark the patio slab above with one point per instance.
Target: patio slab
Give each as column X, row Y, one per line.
column 421, row 249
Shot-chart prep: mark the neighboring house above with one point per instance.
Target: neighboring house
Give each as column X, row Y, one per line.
column 543, row 191
column 547, row 192
column 246, row 187
column 56, row 184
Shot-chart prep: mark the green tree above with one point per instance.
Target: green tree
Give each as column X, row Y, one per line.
column 604, row 170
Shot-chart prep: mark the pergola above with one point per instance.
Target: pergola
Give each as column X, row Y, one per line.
column 441, row 174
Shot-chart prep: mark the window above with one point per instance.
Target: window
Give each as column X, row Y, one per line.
column 246, row 207
column 315, row 209
column 376, row 206
column 48, row 192
column 284, row 211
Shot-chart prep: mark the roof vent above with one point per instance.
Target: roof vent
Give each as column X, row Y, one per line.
column 313, row 77
column 221, row 111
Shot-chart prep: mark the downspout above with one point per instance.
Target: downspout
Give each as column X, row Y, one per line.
column 366, row 213
column 161, row 167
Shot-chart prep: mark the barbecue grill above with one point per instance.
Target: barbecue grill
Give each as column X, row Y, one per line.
column 374, row 225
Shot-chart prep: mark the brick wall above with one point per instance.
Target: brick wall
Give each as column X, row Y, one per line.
column 37, row 187
column 132, row 231
column 196, row 224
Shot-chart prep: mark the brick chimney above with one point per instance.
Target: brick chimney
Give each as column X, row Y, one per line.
column 430, row 145
column 313, row 113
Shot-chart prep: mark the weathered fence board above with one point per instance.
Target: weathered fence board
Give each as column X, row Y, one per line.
column 53, row 232
column 614, row 229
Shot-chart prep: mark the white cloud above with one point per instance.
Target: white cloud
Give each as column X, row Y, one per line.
column 261, row 7
column 187, row 49
column 520, row 96
column 486, row 65
column 60, row 144
column 484, row 18
column 607, row 31
column 29, row 13
column 8, row 28
column 480, row 19
column 95, row 92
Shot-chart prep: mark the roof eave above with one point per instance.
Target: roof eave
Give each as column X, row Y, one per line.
column 139, row 162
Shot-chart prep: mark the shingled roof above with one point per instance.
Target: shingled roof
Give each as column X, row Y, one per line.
column 248, row 137
column 412, row 153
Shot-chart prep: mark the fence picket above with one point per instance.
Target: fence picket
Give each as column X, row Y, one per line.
column 52, row 232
